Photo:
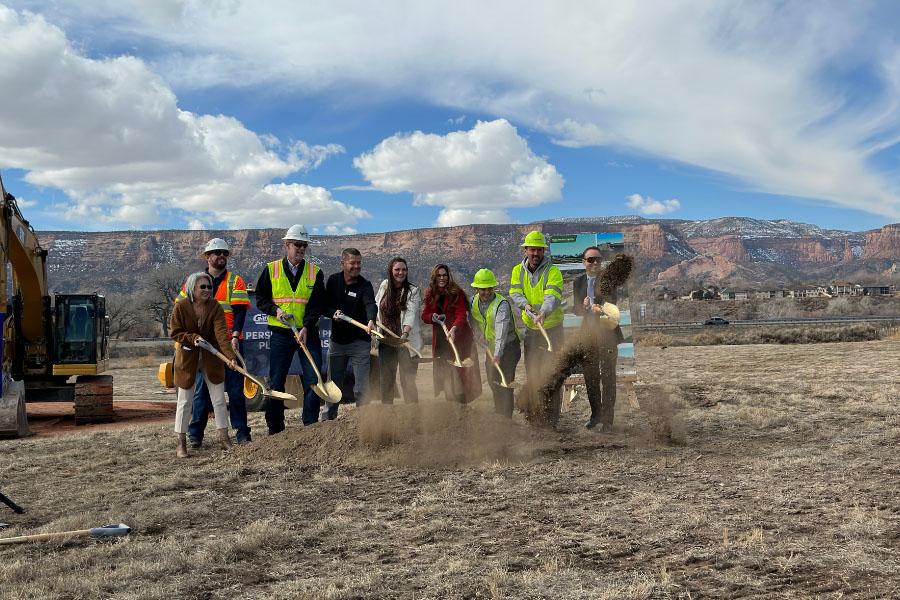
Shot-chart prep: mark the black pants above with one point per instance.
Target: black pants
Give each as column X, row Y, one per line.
column 390, row 358
column 537, row 359
column 509, row 359
column 599, row 368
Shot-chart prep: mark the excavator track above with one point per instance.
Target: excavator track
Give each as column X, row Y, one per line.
column 93, row 399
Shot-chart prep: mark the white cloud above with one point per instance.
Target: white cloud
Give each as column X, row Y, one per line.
column 755, row 90
column 650, row 206
column 454, row 216
column 464, row 171
column 26, row 203
column 111, row 135
column 196, row 225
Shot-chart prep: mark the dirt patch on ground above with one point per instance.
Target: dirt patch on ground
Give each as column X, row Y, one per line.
column 56, row 418
column 429, row 434
column 782, row 484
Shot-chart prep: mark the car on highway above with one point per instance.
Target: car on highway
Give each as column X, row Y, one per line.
column 716, row 321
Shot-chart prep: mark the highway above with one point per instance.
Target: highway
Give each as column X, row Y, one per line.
column 781, row 322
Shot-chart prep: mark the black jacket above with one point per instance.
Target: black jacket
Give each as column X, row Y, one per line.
column 579, row 290
column 313, row 308
column 356, row 300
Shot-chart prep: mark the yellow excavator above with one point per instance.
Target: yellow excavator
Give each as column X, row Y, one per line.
column 47, row 340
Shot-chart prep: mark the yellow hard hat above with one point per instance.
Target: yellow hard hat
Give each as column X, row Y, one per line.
column 484, row 278
column 535, row 239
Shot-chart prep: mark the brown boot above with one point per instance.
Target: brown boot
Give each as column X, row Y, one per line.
column 224, row 439
column 181, row 448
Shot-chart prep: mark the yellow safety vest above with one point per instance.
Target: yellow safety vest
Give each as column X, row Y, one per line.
column 288, row 300
column 486, row 322
column 551, row 282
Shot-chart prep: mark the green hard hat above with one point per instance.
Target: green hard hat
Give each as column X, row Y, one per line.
column 535, row 239
column 484, row 278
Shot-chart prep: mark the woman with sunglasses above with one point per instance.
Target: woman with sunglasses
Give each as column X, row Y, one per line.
column 446, row 303
column 194, row 319
column 399, row 304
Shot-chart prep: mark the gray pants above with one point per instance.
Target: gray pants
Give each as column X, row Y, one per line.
column 356, row 354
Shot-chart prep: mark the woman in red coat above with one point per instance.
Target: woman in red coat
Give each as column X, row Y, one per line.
column 445, row 301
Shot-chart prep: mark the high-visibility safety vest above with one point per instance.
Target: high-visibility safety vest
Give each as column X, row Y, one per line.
column 287, row 299
column 231, row 292
column 551, row 282
column 486, row 321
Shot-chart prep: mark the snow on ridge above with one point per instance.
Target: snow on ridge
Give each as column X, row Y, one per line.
column 748, row 228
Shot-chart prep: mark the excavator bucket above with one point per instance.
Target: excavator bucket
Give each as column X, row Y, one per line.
column 13, row 419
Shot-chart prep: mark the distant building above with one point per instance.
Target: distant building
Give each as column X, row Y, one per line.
column 877, row 290
column 805, row 291
column 735, row 294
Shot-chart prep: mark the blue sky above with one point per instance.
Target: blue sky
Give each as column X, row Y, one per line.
column 348, row 117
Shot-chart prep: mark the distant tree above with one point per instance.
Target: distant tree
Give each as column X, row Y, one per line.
column 165, row 283
column 124, row 314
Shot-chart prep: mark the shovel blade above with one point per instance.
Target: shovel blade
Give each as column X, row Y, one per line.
column 334, row 392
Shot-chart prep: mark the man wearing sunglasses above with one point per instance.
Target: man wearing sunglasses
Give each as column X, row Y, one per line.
column 599, row 366
column 231, row 294
column 292, row 289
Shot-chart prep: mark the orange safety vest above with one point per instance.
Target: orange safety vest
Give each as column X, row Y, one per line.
column 231, row 292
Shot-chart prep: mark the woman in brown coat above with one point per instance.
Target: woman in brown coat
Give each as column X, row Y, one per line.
column 199, row 317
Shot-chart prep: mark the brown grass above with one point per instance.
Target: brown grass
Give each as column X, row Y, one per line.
column 781, row 483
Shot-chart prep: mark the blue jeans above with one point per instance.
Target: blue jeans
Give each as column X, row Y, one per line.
column 237, row 406
column 281, row 353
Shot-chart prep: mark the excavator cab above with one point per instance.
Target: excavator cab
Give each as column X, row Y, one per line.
column 80, row 334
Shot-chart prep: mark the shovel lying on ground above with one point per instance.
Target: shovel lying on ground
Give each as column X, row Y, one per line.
column 458, row 363
column 512, row 385
column 392, row 339
column 289, row 399
column 374, row 333
column 106, row 531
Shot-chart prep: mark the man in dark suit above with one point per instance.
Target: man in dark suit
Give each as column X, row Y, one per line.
column 600, row 350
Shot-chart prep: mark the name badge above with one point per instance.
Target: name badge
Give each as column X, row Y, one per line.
column 351, row 294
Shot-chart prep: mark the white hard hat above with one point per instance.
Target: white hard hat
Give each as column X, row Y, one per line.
column 216, row 244
column 298, row 233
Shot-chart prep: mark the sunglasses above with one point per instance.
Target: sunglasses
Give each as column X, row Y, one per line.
column 592, row 259
column 299, row 244
column 205, row 287
column 219, row 252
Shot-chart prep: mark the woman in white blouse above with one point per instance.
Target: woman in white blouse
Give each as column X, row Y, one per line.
column 399, row 304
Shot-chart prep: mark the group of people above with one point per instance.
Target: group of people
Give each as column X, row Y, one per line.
column 293, row 294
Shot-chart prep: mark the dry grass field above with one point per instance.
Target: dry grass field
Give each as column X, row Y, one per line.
column 779, row 479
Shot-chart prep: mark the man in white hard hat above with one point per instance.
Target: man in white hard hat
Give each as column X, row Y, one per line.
column 292, row 288
column 231, row 294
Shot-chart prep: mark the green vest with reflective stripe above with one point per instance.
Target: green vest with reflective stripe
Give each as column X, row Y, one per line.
column 486, row 322
column 288, row 300
column 551, row 282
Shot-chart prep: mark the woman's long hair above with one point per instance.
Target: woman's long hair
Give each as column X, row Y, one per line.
column 397, row 297
column 454, row 292
column 191, row 283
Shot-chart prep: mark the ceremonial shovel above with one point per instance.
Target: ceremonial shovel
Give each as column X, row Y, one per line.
column 511, row 385
column 106, row 531
column 397, row 341
column 327, row 390
column 289, row 400
column 464, row 363
column 373, row 333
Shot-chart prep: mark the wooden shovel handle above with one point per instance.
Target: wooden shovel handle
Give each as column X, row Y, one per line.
column 353, row 321
column 311, row 361
column 496, row 366
column 452, row 345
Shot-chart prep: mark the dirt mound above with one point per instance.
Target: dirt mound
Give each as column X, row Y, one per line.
column 425, row 434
